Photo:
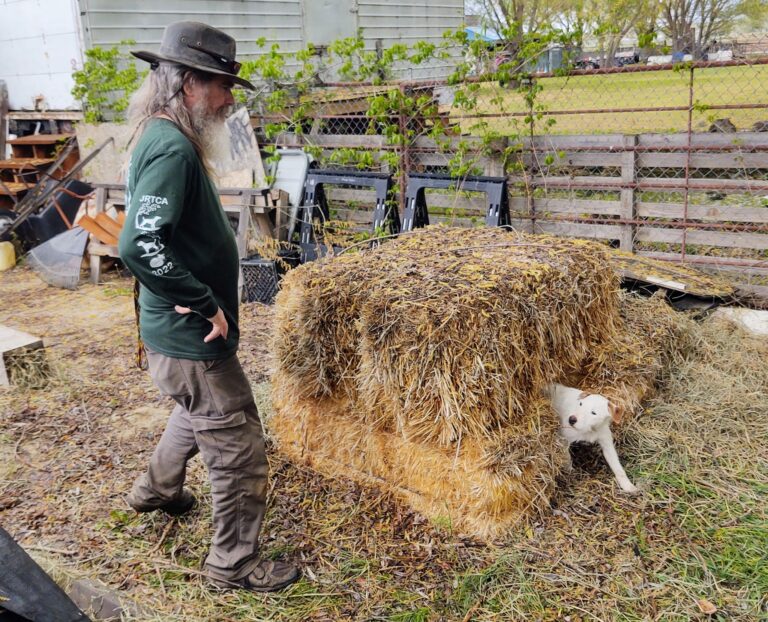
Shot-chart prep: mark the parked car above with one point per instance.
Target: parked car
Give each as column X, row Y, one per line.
column 622, row 61
column 586, row 63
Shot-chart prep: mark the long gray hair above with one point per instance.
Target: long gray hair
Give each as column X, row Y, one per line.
column 162, row 92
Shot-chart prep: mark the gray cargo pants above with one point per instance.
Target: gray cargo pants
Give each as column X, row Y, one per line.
column 215, row 414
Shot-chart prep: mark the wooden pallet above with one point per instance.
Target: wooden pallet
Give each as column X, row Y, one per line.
column 44, row 146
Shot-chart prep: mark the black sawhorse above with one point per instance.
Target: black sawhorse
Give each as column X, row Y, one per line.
column 495, row 189
column 315, row 199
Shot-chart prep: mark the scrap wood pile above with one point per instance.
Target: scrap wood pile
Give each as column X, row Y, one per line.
column 420, row 364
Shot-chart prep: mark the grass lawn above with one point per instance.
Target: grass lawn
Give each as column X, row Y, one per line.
column 653, row 89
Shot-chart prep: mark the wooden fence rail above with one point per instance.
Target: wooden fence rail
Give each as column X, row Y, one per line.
column 700, row 198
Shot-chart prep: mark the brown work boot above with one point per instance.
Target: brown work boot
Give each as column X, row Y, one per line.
column 175, row 507
column 267, row 576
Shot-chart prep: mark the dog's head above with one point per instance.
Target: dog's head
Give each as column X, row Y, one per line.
column 593, row 412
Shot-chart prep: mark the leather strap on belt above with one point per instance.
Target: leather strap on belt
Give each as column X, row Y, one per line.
column 141, row 353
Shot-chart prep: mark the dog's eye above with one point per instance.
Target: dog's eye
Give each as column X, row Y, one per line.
column 579, row 403
column 593, row 412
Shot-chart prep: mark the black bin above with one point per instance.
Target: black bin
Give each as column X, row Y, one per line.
column 261, row 277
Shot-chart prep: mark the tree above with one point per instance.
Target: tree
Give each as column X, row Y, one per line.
column 754, row 14
column 612, row 20
column 692, row 25
column 520, row 23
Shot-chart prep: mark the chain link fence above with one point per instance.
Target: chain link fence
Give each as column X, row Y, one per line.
column 665, row 160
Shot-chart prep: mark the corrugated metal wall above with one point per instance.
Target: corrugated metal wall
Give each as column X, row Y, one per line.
column 409, row 22
column 144, row 20
column 291, row 23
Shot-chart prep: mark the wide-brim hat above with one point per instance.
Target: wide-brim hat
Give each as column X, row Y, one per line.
column 197, row 46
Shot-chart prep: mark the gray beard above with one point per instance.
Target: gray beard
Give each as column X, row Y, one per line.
column 215, row 141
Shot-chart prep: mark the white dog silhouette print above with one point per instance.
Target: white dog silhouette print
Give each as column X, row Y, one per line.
column 150, row 248
column 147, row 224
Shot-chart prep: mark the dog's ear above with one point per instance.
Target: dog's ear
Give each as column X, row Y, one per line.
column 583, row 395
column 617, row 412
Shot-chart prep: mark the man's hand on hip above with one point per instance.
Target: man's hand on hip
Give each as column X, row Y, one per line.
column 220, row 326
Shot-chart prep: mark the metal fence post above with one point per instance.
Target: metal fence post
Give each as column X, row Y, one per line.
column 404, row 164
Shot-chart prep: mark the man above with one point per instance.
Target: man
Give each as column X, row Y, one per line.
column 179, row 245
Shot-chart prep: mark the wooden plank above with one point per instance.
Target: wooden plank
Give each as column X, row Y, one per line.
column 13, row 188
column 739, row 276
column 703, row 140
column 97, row 231
column 672, row 275
column 473, row 142
column 758, row 291
column 243, row 214
column 360, row 195
column 729, row 264
column 110, row 187
column 522, row 224
column 726, row 185
column 585, row 182
column 34, row 115
column 40, row 139
column 12, row 341
column 355, row 216
column 97, row 249
column 361, row 141
column 109, row 225
column 745, row 271
column 567, row 182
column 101, row 200
column 567, row 206
column 575, row 141
column 724, row 160
column 24, row 164
column 476, row 202
column 627, row 197
column 326, row 155
column 711, row 213
column 573, row 159
column 579, row 230
column 441, row 159
column 745, row 141
column 282, row 205
column 757, row 241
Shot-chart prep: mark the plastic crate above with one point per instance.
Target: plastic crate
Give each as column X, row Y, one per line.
column 260, row 279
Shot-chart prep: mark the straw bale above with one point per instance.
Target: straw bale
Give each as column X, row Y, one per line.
column 419, row 365
column 482, row 488
column 315, row 322
column 629, row 365
column 446, row 333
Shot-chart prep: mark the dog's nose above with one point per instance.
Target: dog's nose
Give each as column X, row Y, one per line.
column 572, row 420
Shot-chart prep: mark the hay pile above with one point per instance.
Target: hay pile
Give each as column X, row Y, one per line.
column 420, row 364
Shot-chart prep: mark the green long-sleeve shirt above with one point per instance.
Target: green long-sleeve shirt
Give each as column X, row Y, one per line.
column 178, row 243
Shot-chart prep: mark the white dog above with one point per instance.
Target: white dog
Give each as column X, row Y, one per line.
column 587, row 417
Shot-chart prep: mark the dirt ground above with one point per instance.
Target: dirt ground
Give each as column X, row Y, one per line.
column 693, row 546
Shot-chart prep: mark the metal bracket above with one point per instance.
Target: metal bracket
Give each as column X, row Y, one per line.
column 495, row 188
column 315, row 199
